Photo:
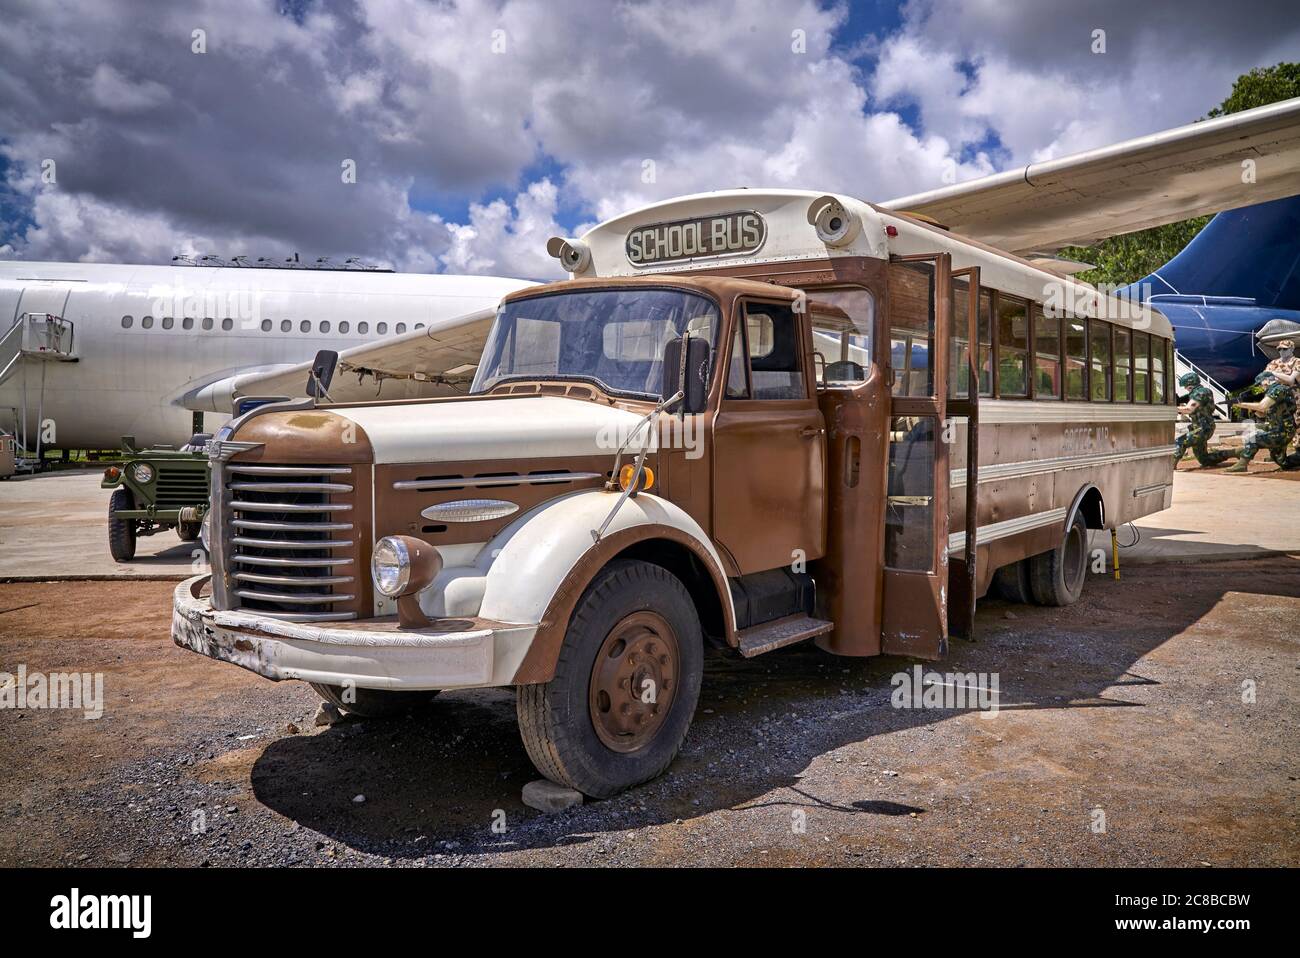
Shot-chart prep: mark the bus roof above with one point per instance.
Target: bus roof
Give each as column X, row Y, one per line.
column 752, row 227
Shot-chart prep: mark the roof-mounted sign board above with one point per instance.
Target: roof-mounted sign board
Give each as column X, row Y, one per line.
column 704, row 237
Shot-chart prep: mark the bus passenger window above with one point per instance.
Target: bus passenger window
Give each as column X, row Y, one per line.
column 1141, row 374
column 1123, row 366
column 1047, row 355
column 1157, row 370
column 1013, row 347
column 773, row 332
column 1076, row 359
column 1099, row 343
column 986, row 343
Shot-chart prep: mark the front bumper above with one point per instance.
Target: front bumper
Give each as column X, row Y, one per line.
column 456, row 653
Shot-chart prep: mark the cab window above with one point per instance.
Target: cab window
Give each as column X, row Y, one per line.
column 772, row 338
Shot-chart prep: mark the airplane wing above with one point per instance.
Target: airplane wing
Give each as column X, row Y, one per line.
column 439, row 360
column 1162, row 178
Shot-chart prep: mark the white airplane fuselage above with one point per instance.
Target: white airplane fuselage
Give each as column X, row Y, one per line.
column 145, row 337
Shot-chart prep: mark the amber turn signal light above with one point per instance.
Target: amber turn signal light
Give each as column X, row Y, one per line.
column 627, row 472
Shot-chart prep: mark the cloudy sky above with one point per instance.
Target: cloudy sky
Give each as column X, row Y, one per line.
column 479, row 128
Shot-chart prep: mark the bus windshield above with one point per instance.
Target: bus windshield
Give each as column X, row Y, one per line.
column 613, row 338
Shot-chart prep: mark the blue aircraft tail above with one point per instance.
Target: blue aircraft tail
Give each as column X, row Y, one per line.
column 1240, row 272
column 1252, row 252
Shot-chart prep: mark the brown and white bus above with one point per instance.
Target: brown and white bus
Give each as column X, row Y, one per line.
column 1074, row 410
column 759, row 417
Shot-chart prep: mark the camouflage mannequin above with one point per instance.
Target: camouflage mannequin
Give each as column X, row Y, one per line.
column 1286, row 369
column 1200, row 411
column 1275, row 430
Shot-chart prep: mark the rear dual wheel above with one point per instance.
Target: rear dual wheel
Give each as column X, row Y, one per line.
column 1052, row 578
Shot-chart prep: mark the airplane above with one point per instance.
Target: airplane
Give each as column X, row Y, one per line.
column 90, row 353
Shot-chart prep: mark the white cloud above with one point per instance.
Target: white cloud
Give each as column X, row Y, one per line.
column 161, row 150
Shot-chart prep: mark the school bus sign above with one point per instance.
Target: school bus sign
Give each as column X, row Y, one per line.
column 726, row 234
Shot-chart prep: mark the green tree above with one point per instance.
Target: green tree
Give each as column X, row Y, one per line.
column 1127, row 258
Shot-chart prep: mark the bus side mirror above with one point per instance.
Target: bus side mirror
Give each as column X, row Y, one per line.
column 694, row 384
column 322, row 374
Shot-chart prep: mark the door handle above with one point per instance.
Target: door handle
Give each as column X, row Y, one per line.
column 809, row 431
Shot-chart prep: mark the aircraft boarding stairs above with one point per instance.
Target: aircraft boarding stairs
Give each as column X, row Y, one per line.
column 1183, row 365
column 34, row 338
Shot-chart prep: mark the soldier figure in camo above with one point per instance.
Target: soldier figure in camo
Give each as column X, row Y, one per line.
column 1275, row 431
column 1200, row 411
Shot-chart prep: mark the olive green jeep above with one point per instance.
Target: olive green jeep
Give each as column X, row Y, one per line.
column 156, row 489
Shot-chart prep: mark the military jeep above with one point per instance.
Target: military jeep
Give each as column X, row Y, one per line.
column 154, row 490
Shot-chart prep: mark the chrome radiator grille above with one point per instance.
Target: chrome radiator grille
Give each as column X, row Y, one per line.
column 290, row 549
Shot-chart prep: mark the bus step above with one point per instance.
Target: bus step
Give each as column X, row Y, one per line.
column 779, row 633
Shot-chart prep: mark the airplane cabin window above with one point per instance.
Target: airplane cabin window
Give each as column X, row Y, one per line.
column 401, row 327
column 381, row 328
column 419, row 325
column 363, row 327
column 187, row 322
column 305, row 326
column 126, row 322
column 227, row 324
column 207, row 322
column 266, row 325
column 147, row 322
column 344, row 326
column 286, row 325
column 325, row 326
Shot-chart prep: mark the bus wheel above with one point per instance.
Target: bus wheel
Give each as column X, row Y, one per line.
column 1012, row 582
column 1056, row 576
column 121, row 532
column 625, row 685
column 373, row 703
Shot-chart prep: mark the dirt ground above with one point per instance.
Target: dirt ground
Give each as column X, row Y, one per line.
column 1122, row 739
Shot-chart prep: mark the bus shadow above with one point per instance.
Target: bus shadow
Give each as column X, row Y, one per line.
column 447, row 781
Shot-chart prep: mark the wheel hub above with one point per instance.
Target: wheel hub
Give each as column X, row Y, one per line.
column 633, row 681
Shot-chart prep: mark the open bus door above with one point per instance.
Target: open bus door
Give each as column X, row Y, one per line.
column 914, row 618
column 964, row 386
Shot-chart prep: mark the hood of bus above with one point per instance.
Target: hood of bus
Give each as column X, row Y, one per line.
column 522, row 427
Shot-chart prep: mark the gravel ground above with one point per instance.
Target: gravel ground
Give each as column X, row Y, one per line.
column 1127, row 706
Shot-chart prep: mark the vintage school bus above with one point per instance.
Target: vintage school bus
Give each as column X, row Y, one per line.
column 752, row 417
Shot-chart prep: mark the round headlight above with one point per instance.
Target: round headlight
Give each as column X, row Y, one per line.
column 390, row 565
column 205, row 532
column 142, row 472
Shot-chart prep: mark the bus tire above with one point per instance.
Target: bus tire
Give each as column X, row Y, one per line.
column 374, row 703
column 635, row 628
column 121, row 532
column 1057, row 575
column 1012, row 582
